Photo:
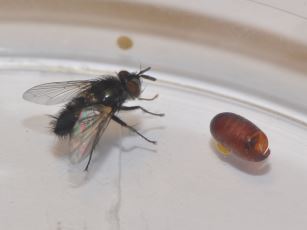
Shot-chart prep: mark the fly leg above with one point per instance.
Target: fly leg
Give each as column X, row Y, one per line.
column 124, row 124
column 92, row 150
column 148, row 99
column 89, row 160
column 126, row 108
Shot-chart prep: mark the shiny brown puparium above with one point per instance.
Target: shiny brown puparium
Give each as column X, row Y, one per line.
column 241, row 136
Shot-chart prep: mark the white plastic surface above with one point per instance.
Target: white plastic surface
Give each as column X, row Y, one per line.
column 180, row 183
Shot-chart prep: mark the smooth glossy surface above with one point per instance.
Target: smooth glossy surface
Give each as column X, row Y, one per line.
column 240, row 135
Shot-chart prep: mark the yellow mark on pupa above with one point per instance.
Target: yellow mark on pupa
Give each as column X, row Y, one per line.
column 222, row 149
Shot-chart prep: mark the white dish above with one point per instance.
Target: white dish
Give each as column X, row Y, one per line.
column 179, row 183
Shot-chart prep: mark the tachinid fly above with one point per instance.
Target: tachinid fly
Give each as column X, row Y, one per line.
column 92, row 104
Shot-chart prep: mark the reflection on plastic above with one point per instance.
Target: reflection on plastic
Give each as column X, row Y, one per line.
column 252, row 168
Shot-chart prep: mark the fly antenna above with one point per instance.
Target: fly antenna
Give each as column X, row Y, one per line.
column 147, row 77
column 144, row 70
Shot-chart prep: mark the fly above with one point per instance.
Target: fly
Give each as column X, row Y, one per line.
column 91, row 105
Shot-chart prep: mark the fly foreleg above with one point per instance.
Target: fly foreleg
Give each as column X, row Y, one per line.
column 126, row 108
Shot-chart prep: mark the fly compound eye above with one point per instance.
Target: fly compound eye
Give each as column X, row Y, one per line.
column 123, row 75
column 134, row 87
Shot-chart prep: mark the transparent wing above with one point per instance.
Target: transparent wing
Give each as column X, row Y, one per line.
column 56, row 92
column 87, row 131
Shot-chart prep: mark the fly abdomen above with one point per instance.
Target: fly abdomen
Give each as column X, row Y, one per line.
column 63, row 124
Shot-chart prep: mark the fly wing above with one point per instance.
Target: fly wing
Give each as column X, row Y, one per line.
column 88, row 129
column 56, row 92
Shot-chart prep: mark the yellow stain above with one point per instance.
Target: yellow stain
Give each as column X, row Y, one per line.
column 222, row 149
column 124, row 42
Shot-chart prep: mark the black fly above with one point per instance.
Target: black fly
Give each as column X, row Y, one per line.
column 92, row 104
